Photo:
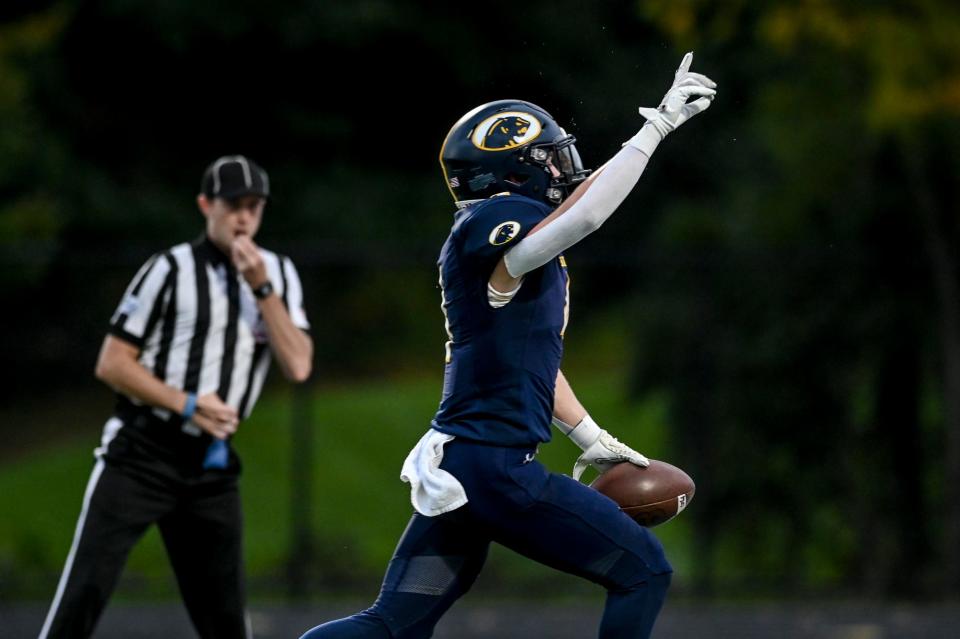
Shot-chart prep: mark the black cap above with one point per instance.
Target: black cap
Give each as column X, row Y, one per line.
column 234, row 176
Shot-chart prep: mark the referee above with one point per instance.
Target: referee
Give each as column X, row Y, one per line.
column 187, row 352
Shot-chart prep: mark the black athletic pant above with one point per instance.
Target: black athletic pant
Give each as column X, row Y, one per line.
column 199, row 518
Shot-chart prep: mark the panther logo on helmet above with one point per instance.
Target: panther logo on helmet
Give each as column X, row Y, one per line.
column 503, row 131
column 510, row 146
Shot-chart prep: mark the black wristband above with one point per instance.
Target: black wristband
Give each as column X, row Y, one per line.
column 263, row 291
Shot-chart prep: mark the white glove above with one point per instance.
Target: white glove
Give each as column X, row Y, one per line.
column 674, row 110
column 600, row 449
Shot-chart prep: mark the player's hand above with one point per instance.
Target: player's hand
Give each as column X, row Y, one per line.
column 674, row 109
column 246, row 257
column 601, row 449
column 215, row 417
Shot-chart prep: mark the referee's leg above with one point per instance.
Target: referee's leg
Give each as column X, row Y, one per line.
column 204, row 538
column 117, row 508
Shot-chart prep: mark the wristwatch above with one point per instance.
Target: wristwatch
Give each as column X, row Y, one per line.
column 264, row 290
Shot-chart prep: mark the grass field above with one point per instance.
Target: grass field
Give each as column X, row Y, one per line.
column 360, row 434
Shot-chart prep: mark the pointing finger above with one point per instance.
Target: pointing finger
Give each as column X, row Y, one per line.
column 685, row 64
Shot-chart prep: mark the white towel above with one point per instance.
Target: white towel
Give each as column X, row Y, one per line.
column 433, row 491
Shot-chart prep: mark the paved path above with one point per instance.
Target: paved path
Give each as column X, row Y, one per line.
column 545, row 621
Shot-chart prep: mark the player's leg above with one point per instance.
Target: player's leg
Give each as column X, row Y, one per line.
column 204, row 539
column 118, row 506
column 562, row 523
column 575, row 529
column 435, row 563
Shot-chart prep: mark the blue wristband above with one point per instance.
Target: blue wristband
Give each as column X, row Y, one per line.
column 190, row 407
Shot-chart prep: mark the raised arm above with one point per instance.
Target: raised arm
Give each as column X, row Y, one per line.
column 292, row 347
column 598, row 197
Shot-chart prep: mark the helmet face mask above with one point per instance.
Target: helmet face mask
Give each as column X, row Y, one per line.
column 513, row 146
column 562, row 155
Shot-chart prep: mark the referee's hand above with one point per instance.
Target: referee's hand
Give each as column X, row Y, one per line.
column 246, row 257
column 215, row 417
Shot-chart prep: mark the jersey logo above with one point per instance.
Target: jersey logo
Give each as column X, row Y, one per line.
column 504, row 233
column 506, row 131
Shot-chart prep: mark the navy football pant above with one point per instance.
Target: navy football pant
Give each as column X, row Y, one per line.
column 200, row 522
column 516, row 502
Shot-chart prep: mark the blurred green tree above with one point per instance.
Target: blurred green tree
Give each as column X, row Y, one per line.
column 32, row 213
column 801, row 344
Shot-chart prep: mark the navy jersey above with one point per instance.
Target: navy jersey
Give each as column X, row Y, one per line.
column 502, row 363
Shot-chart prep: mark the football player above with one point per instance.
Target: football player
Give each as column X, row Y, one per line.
column 522, row 198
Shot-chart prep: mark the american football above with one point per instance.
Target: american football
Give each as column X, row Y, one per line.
column 649, row 495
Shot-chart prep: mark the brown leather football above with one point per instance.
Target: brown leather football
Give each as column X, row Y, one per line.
column 650, row 495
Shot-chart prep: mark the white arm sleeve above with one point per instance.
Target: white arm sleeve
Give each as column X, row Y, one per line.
column 608, row 189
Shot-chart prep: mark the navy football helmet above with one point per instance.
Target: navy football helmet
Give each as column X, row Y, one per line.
column 510, row 145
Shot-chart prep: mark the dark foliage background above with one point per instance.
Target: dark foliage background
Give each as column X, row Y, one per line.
column 788, row 262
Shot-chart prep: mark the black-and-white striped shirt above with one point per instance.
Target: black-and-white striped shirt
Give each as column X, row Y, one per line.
column 198, row 327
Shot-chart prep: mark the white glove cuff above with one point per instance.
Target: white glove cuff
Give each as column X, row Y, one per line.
column 563, row 426
column 496, row 299
column 586, row 433
column 646, row 139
